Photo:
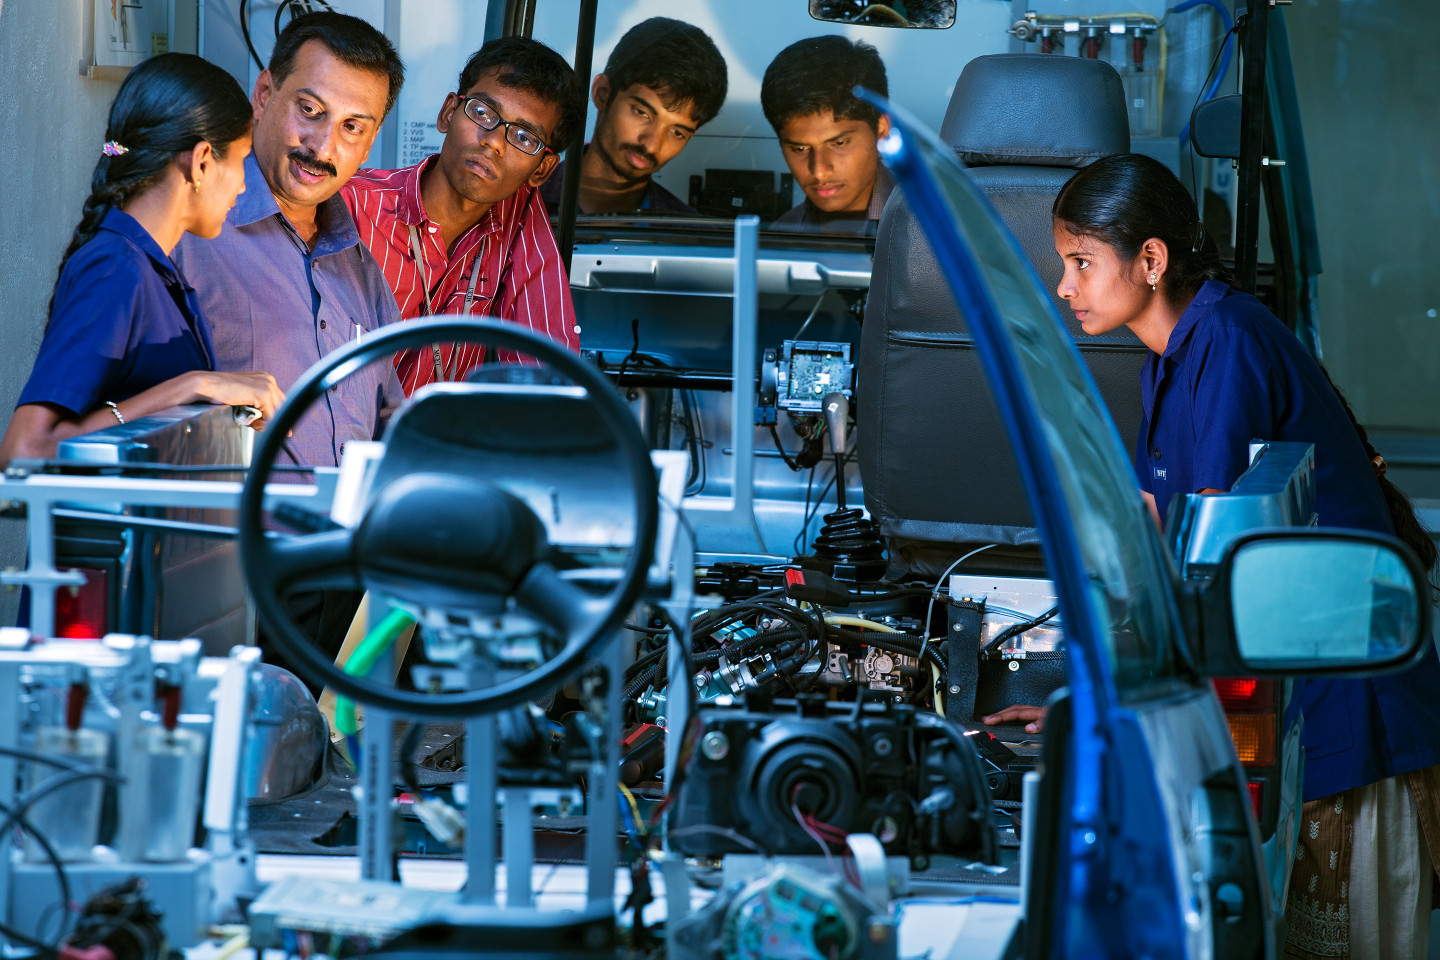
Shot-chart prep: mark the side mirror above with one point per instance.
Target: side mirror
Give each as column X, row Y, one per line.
column 1318, row 601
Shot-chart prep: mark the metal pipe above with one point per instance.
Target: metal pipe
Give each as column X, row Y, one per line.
column 602, row 805
column 672, row 379
column 739, row 506
column 570, row 186
column 148, row 523
column 1252, row 142
column 480, row 781
column 519, row 836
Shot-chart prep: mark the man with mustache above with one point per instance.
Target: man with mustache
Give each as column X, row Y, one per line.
column 827, row 136
column 464, row 231
column 664, row 80
column 288, row 281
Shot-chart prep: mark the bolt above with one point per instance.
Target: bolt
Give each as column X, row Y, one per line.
column 715, row 745
column 699, row 682
column 882, row 746
column 1014, row 665
column 955, row 688
column 1089, row 837
column 957, row 627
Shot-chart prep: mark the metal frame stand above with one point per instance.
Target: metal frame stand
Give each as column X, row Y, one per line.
column 194, row 891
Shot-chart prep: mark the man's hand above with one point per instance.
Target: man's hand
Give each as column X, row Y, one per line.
column 1032, row 717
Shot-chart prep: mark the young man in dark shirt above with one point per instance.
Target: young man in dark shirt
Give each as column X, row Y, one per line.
column 664, row 80
column 829, row 137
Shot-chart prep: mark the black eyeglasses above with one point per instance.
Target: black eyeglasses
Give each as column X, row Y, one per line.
column 486, row 118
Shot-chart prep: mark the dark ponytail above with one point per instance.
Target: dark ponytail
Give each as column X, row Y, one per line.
column 1402, row 512
column 1124, row 200
column 166, row 106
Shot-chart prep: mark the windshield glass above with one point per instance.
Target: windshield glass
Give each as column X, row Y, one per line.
column 1130, row 576
column 758, row 133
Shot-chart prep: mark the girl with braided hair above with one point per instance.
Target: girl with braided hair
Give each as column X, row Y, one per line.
column 126, row 337
column 1223, row 371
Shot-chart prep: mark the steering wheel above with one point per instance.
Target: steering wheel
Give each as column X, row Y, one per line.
column 499, row 545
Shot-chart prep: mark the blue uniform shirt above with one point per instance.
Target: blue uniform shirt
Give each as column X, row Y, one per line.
column 1232, row 373
column 124, row 320
column 278, row 306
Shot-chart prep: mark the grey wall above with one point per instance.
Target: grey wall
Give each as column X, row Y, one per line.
column 52, row 122
column 1369, row 86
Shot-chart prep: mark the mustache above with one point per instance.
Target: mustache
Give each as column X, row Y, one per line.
column 308, row 159
column 637, row 149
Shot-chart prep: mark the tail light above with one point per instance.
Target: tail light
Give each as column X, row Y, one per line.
column 1249, row 705
column 82, row 614
column 1257, row 797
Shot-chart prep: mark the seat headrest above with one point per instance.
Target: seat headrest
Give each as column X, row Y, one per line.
column 1040, row 109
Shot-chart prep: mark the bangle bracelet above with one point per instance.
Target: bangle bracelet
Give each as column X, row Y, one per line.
column 115, row 409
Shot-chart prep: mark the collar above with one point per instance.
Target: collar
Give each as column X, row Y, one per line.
column 1210, row 293
column 257, row 202
column 120, row 222
column 337, row 227
column 884, row 184
column 409, row 206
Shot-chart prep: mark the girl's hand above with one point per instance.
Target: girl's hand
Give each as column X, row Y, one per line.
column 253, row 388
column 1032, row 717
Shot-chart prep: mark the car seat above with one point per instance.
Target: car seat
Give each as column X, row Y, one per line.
column 934, row 457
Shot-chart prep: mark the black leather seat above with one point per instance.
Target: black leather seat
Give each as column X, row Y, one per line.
column 934, row 457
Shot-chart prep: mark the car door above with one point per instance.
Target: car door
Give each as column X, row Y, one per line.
column 1155, row 852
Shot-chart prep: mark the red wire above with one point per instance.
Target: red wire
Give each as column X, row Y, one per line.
column 829, row 831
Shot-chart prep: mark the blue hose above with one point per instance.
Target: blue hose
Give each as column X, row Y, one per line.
column 1225, row 54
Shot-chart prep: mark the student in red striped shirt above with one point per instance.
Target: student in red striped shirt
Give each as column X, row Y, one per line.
column 465, row 231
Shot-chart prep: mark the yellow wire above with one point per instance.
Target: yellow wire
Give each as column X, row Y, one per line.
column 233, row 946
column 634, row 812
column 844, row 620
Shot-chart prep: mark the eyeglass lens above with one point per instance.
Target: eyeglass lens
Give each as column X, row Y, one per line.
column 487, row 119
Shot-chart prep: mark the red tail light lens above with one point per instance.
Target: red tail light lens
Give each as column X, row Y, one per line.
column 1257, row 796
column 83, row 614
column 1245, row 694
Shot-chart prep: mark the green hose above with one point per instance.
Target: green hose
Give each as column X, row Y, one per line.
column 379, row 640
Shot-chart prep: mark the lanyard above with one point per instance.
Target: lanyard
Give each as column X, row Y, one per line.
column 418, row 253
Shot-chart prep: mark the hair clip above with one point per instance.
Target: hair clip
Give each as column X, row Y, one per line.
column 1380, row 466
column 113, row 148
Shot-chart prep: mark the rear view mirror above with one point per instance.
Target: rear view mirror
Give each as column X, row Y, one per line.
column 1325, row 601
column 1215, row 128
column 927, row 14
